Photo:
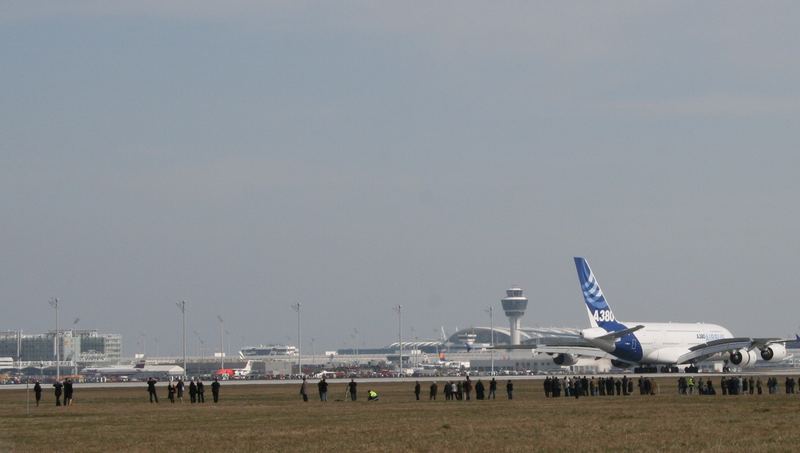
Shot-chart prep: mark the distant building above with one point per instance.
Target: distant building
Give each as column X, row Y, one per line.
column 76, row 346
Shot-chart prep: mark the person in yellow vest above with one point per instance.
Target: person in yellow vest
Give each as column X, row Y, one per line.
column 372, row 395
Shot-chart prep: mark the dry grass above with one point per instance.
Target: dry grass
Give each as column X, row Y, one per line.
column 272, row 418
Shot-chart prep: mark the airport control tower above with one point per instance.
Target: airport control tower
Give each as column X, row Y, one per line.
column 514, row 304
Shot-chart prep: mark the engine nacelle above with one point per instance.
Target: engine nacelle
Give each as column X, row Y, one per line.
column 620, row 364
column 774, row 352
column 744, row 358
column 565, row 359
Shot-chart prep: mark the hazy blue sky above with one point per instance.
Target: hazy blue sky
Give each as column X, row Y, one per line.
column 356, row 155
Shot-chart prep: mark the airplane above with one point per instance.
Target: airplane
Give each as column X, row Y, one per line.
column 235, row 373
column 650, row 344
column 141, row 369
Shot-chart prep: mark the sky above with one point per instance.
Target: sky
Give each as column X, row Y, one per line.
column 357, row 155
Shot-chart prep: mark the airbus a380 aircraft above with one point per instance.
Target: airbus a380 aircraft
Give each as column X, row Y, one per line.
column 650, row 343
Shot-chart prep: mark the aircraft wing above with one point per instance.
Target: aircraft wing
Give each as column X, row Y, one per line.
column 574, row 346
column 585, row 351
column 705, row 350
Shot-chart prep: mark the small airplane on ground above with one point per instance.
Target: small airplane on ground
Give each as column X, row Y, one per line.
column 235, row 373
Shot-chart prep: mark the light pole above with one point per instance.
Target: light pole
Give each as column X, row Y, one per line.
column 491, row 322
column 296, row 307
column 143, row 336
column 221, row 342
column 182, row 307
column 399, row 310
column 228, row 342
column 54, row 304
column 200, row 345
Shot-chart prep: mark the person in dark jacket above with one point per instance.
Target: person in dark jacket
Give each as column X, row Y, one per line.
column 434, row 391
column 322, row 386
column 192, row 391
column 479, row 390
column 200, row 391
column 510, row 389
column 467, row 388
column 37, row 392
column 492, row 388
column 215, row 390
column 179, row 389
column 171, row 392
column 352, row 389
column 67, row 392
column 417, row 389
column 151, row 389
column 57, row 387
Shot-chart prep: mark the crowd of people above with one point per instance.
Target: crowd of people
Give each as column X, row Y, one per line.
column 61, row 389
column 176, row 389
column 575, row 386
column 453, row 390
column 457, row 390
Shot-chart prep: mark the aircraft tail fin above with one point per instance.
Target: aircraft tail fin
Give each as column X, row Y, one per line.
column 600, row 314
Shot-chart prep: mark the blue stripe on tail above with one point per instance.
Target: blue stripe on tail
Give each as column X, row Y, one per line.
column 600, row 313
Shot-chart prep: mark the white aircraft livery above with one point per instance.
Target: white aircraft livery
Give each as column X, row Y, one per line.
column 650, row 343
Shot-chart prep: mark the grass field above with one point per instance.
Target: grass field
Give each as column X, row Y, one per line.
column 272, row 418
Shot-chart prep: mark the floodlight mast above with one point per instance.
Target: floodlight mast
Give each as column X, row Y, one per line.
column 296, row 307
column 491, row 324
column 399, row 310
column 54, row 304
column 182, row 307
column 221, row 342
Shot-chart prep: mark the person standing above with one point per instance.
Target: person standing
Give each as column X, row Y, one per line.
column 215, row 390
column 179, row 389
column 151, row 389
column 492, row 388
column 510, row 389
column 192, row 391
column 37, row 392
column 467, row 388
column 479, row 390
column 434, row 391
column 67, row 392
column 58, row 387
column 171, row 392
column 417, row 389
column 303, row 390
column 351, row 388
column 322, row 386
column 201, row 398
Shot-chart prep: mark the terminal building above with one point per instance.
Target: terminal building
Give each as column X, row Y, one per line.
column 76, row 347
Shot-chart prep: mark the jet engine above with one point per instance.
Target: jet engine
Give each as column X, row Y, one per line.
column 744, row 358
column 565, row 359
column 774, row 352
